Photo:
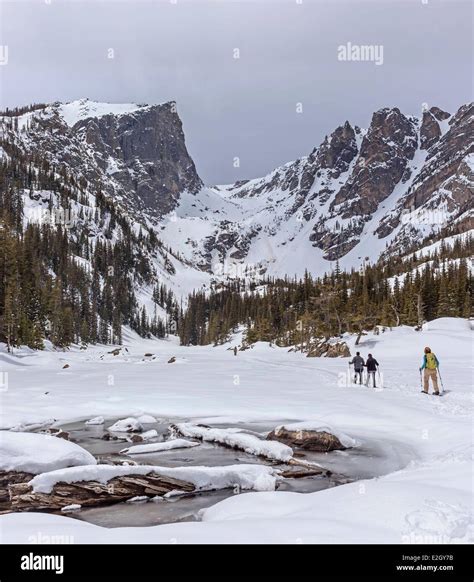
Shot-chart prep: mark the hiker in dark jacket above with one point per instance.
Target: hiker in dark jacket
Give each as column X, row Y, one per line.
column 359, row 363
column 372, row 366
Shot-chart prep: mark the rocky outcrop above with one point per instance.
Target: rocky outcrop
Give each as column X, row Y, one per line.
column 443, row 190
column 329, row 350
column 147, row 152
column 309, row 440
column 138, row 156
column 430, row 130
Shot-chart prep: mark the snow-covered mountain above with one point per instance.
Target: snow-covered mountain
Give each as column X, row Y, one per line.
column 132, row 155
column 358, row 195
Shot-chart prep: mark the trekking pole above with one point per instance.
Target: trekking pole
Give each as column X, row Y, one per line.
column 421, row 379
column 441, row 380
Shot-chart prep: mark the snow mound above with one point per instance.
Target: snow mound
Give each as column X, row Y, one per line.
column 129, row 424
column 149, row 434
column 345, row 439
column 234, row 438
column 37, row 453
column 447, row 324
column 249, row 477
column 158, row 447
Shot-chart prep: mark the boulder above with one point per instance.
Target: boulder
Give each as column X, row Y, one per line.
column 318, row 349
column 309, row 440
column 328, row 350
column 338, row 350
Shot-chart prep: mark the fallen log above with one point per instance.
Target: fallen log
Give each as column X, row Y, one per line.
column 301, row 471
column 177, row 429
column 308, row 466
column 8, row 478
column 94, row 493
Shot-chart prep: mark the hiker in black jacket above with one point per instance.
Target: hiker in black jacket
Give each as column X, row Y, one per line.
column 372, row 366
column 359, row 363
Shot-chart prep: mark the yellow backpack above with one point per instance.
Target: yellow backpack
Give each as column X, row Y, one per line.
column 431, row 361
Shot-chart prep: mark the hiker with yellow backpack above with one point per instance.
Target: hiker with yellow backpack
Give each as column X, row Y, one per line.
column 430, row 366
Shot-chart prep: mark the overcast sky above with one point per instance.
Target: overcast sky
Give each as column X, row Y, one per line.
column 247, row 107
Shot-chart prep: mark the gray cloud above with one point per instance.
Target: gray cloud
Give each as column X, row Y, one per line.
column 246, row 107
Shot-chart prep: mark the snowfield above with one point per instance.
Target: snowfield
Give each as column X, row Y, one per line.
column 425, row 498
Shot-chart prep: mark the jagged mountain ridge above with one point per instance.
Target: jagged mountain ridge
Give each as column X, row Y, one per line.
column 360, row 194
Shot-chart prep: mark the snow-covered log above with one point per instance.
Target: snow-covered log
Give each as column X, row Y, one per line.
column 93, row 493
column 235, row 439
column 106, row 484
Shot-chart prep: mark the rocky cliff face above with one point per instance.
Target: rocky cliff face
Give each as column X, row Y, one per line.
column 134, row 153
column 145, row 152
column 443, row 190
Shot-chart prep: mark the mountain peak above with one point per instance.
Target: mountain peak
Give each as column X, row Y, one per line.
column 74, row 111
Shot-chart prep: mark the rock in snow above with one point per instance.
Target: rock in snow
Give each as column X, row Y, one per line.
column 311, row 438
column 144, row 436
column 129, row 424
column 38, row 453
